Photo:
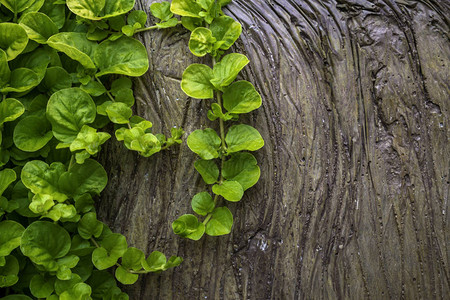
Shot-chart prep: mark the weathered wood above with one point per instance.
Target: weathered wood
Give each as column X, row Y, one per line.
column 353, row 198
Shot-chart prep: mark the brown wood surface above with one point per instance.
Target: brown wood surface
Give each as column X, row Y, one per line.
column 353, row 198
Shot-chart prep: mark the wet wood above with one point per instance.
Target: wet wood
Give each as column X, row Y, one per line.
column 353, row 198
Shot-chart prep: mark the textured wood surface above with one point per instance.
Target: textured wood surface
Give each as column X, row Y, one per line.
column 353, row 198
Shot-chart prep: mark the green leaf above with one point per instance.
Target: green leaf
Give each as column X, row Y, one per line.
column 22, row 80
column 84, row 203
column 208, row 170
column 205, row 143
column 161, row 10
column 10, row 235
column 216, row 112
column 68, row 110
column 226, row 31
column 56, row 78
column 137, row 17
column 155, row 262
column 243, row 137
column 116, row 7
column 10, row 109
column 38, row 26
column 80, row 291
column 220, row 222
column 122, row 83
column 89, row 139
column 241, row 97
column 88, row 9
column 89, row 226
column 136, row 139
column 32, row 133
column 42, row 286
column 201, row 41
column 17, row 6
column 55, row 11
column 168, row 24
column 202, row 203
column 119, row 113
column 196, row 83
column 133, row 258
column 242, row 167
column 8, row 272
column 76, row 46
column 124, row 277
column 64, row 285
column 44, row 242
column 112, row 247
column 226, row 71
column 187, row 8
column 125, row 56
column 191, row 23
column 7, row 176
column 93, row 88
column 189, row 227
column 89, row 177
column 13, row 39
column 41, row 203
column 5, row 72
column 41, row 178
column 230, row 190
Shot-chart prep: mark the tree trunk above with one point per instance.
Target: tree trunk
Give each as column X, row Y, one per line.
column 353, row 198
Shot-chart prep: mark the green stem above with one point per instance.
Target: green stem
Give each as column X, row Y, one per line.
column 150, row 28
column 72, row 159
column 94, row 242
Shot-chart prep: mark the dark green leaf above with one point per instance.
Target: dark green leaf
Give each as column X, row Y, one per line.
column 202, row 203
column 208, row 170
column 9, row 271
column 220, row 222
column 56, row 78
column 133, row 258
column 10, row 235
column 32, row 133
column 42, row 287
column 119, row 113
column 112, row 247
column 94, row 88
column 38, row 26
column 10, row 109
column 13, row 39
column 89, row 177
column 89, row 226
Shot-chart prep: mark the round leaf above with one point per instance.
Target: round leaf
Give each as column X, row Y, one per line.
column 201, row 41
column 119, row 113
column 89, row 177
column 13, row 39
column 79, row 291
column 10, row 109
column 155, row 262
column 133, row 258
column 7, row 176
column 88, row 9
column 89, row 226
column 196, row 83
column 112, row 247
column 230, row 190
column 9, row 271
column 205, row 143
column 22, row 80
column 187, row 8
column 242, row 167
column 43, row 242
column 189, row 227
column 32, row 133
column 226, row 30
column 125, row 56
column 10, row 235
column 56, row 78
column 38, row 26
column 68, row 110
column 41, row 287
column 208, row 170
column 124, row 277
column 241, row 97
column 76, row 46
column 243, row 137
column 227, row 69
column 220, row 222
column 202, row 203
column 161, row 10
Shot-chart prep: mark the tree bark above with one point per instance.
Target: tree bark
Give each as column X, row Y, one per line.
column 353, row 198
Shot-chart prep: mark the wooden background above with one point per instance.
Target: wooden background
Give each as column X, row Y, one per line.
column 353, row 198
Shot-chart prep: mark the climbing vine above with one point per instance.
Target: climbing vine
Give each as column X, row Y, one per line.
column 64, row 78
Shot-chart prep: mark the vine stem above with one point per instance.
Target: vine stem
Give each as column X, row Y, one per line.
column 150, row 28
column 71, row 162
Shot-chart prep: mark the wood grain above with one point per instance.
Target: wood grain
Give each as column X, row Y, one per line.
column 353, row 198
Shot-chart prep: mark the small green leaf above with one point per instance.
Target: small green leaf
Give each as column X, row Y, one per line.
column 32, row 133
column 202, row 203
column 44, row 242
column 226, row 31
column 137, row 17
column 64, row 285
column 80, row 291
column 205, row 143
column 13, row 39
column 76, row 46
column 119, row 113
column 89, row 9
column 168, row 24
column 81, row 247
column 242, row 167
column 133, row 258
column 243, row 137
column 22, row 80
column 187, row 8
column 161, row 10
column 7, row 176
column 122, row 83
column 38, row 26
column 89, row 139
column 220, row 222
column 41, row 178
column 241, row 97
column 10, row 235
column 136, row 139
column 89, row 226
column 230, row 190
column 191, row 23
column 42, row 286
column 10, row 109
column 196, row 83
column 56, row 78
column 112, row 247
column 155, row 262
column 124, row 277
column 94, row 88
column 9, row 270
column 55, row 11
column 41, row 203
column 89, row 177
column 208, row 170
column 201, row 41
column 125, row 56
column 226, row 71
column 189, row 227
column 68, row 110
column 84, row 203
